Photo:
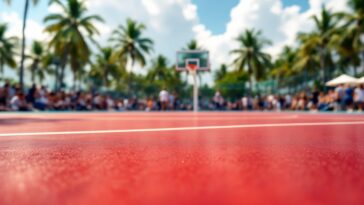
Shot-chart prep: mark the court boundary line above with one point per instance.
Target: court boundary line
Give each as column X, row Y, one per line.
column 194, row 128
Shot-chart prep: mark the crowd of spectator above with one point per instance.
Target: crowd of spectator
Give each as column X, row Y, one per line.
column 39, row 98
column 342, row 98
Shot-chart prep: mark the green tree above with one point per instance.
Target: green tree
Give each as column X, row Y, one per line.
column 322, row 40
column 308, row 58
column 291, row 68
column 250, row 56
column 131, row 46
column 23, row 44
column 130, row 42
column 71, row 30
column 107, row 67
column 159, row 70
column 221, row 73
column 232, row 85
column 193, row 45
column 51, row 65
column 348, row 52
column 36, row 57
column 7, row 49
column 284, row 65
column 352, row 43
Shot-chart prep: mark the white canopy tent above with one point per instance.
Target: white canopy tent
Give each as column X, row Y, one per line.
column 361, row 80
column 343, row 79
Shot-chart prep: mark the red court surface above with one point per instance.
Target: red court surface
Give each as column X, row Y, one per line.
column 181, row 158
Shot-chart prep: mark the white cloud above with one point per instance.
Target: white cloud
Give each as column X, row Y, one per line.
column 34, row 30
column 278, row 23
column 169, row 22
column 55, row 8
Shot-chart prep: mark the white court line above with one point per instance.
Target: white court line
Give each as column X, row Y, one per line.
column 183, row 129
column 188, row 118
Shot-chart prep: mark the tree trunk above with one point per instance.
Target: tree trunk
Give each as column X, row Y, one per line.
column 129, row 84
column 1, row 69
column 21, row 71
column 32, row 75
column 63, row 67
column 305, row 79
column 56, row 74
column 74, row 80
column 130, row 78
column 61, row 77
column 322, row 64
column 106, row 74
column 251, row 78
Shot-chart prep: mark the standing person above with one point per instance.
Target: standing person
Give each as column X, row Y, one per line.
column 339, row 95
column 164, row 98
column 30, row 97
column 218, row 100
column 288, row 101
column 348, row 98
column 359, row 97
column 171, row 101
column 315, row 99
column 3, row 100
column 244, row 103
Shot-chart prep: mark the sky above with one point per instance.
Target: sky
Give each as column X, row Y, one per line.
column 172, row 23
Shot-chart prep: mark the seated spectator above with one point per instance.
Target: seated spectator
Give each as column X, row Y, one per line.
column 19, row 103
column 359, row 97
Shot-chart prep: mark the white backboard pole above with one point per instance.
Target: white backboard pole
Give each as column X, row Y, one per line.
column 195, row 92
column 195, row 62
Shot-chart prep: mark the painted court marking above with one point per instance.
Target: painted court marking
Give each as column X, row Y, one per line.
column 182, row 129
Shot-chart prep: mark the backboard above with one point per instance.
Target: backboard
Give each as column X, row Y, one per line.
column 199, row 59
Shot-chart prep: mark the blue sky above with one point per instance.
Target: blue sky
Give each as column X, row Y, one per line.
column 216, row 13
column 213, row 13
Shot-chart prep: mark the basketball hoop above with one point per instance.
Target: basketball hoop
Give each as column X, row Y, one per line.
column 192, row 68
column 193, row 61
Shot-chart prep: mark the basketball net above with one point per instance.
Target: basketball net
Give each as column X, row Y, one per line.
column 192, row 68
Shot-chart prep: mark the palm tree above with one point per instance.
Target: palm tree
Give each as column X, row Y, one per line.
column 308, row 57
column 348, row 52
column 354, row 30
column 23, row 45
column 71, row 30
column 7, row 49
column 193, row 45
column 51, row 65
column 221, row 73
column 322, row 39
column 107, row 66
column 131, row 45
column 36, row 56
column 251, row 56
column 159, row 70
column 284, row 65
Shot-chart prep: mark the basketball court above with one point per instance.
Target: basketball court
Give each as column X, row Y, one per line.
column 181, row 158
